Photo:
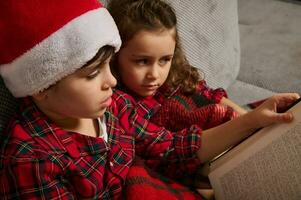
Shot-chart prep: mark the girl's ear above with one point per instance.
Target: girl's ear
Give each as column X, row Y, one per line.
column 40, row 96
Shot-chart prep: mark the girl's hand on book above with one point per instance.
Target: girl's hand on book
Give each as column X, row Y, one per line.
column 269, row 111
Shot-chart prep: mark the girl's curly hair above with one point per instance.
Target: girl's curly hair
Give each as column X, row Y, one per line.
column 132, row 16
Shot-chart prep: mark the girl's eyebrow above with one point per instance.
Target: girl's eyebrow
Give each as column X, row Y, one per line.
column 140, row 55
column 147, row 56
column 169, row 55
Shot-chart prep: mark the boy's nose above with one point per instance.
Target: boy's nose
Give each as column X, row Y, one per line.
column 110, row 80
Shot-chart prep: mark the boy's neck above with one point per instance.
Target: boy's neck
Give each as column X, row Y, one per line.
column 84, row 126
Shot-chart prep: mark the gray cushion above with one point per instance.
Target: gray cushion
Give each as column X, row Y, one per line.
column 271, row 44
column 210, row 37
column 244, row 93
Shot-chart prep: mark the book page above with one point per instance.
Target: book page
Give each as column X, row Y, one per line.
column 265, row 166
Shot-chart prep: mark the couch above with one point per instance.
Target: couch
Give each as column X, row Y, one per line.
column 211, row 38
column 250, row 48
column 270, row 40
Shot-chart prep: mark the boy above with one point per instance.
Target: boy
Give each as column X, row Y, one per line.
column 65, row 142
column 71, row 138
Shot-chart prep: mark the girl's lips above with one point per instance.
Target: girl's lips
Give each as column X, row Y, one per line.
column 151, row 87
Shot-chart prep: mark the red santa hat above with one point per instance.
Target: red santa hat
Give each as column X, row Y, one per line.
column 43, row 41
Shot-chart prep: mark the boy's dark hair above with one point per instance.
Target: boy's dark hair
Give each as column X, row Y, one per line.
column 132, row 16
column 103, row 54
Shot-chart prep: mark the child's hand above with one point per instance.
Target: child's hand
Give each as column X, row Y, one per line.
column 268, row 112
column 235, row 130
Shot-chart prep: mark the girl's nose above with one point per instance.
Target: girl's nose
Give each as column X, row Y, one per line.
column 153, row 72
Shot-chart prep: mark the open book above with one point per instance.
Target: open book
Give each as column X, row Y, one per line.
column 266, row 165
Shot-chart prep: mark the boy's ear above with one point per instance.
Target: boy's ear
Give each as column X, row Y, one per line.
column 40, row 96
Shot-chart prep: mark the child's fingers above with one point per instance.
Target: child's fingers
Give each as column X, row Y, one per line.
column 287, row 97
column 284, row 117
column 284, row 100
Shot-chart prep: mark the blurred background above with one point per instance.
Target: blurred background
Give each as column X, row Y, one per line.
column 270, row 39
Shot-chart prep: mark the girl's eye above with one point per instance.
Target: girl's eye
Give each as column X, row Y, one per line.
column 93, row 74
column 164, row 61
column 141, row 61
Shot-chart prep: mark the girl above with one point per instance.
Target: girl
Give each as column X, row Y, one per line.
column 151, row 66
column 166, row 89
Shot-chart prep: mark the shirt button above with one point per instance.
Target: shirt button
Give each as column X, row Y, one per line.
column 111, row 164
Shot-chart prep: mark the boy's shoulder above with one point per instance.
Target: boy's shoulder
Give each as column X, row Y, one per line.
column 19, row 145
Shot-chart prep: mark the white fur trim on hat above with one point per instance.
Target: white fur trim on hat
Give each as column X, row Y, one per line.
column 60, row 54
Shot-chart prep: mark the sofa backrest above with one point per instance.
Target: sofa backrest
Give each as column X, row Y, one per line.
column 210, row 36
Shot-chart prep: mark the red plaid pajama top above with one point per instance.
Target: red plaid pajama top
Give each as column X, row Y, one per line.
column 38, row 160
column 178, row 111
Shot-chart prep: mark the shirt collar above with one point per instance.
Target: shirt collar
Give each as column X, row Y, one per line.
column 54, row 139
column 148, row 106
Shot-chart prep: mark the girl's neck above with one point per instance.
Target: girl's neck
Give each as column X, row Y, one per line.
column 136, row 96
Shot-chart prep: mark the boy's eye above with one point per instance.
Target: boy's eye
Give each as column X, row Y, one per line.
column 93, row 74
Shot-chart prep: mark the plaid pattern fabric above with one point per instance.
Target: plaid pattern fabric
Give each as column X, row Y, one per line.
column 149, row 106
column 214, row 95
column 185, row 143
column 39, row 160
column 143, row 183
column 178, row 112
column 177, row 165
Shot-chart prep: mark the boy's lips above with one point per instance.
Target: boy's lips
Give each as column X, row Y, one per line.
column 107, row 102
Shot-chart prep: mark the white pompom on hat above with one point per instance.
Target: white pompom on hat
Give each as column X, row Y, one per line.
column 41, row 42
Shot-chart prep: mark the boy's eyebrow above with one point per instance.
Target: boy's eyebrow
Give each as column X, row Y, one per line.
column 92, row 64
column 90, row 67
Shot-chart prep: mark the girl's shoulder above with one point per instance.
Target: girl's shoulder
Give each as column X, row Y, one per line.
column 121, row 96
column 121, row 102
